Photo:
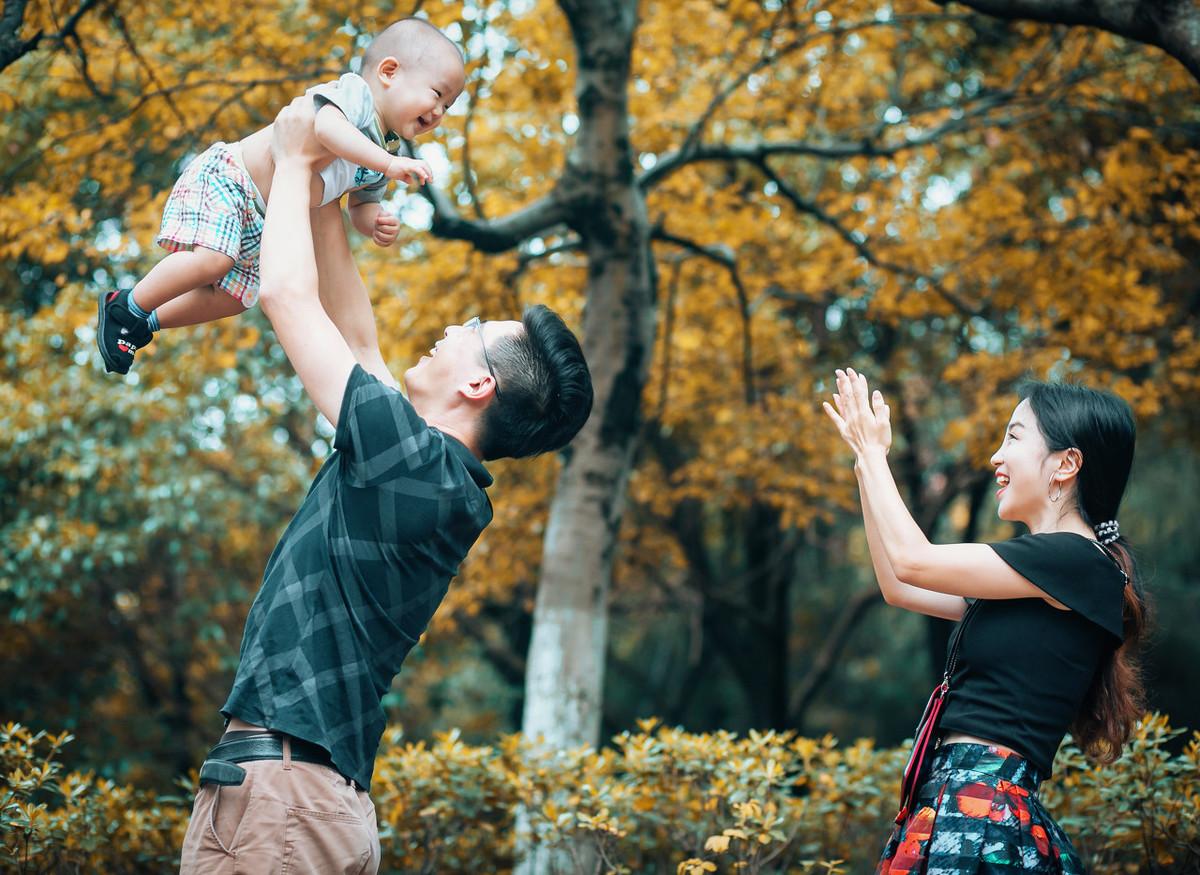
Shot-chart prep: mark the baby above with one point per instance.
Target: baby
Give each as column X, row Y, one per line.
column 212, row 224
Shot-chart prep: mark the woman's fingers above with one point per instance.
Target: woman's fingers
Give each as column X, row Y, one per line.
column 833, row 414
column 880, row 406
column 847, row 404
column 856, row 388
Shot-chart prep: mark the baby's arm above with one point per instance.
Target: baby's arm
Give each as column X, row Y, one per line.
column 340, row 137
column 370, row 219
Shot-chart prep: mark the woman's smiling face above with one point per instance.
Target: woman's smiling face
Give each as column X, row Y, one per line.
column 1024, row 468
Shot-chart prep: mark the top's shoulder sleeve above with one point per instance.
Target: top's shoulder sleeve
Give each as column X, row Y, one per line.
column 350, row 94
column 1073, row 570
column 379, row 432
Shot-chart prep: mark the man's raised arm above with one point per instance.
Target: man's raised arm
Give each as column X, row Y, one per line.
column 289, row 280
column 343, row 294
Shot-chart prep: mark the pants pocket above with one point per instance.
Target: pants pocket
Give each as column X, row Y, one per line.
column 213, row 833
column 326, row 842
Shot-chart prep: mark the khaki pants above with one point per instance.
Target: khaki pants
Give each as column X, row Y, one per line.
column 286, row 817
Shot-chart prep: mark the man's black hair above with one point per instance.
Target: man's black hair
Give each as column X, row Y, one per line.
column 545, row 389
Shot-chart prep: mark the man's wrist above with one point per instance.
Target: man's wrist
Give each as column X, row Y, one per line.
column 293, row 164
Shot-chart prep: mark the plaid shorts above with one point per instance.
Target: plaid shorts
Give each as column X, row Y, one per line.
column 214, row 204
column 976, row 812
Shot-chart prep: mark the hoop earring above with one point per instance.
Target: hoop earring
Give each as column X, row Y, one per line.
column 1057, row 497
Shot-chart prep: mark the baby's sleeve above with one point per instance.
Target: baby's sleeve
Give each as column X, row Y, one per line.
column 372, row 193
column 350, row 94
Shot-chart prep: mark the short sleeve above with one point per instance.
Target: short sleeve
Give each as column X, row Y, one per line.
column 1073, row 570
column 351, row 95
column 379, row 433
column 372, row 193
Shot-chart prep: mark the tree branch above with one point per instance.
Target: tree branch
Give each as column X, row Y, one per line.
column 13, row 48
column 506, row 661
column 857, row 240
column 1171, row 25
column 837, row 150
column 826, row 659
column 723, row 256
column 496, row 235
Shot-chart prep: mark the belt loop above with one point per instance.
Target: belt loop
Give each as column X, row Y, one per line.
column 287, row 752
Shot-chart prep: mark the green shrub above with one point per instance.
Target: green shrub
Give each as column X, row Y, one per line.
column 657, row 800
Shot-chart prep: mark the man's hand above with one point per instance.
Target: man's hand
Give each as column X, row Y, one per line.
column 412, row 169
column 294, row 135
column 387, row 229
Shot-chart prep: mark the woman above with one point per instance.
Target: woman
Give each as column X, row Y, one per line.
column 1050, row 624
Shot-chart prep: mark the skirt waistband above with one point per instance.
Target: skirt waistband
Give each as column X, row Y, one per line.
column 986, row 759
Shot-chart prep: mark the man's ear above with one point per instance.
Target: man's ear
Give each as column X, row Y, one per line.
column 479, row 388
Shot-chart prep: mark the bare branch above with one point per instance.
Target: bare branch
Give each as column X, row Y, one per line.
column 693, row 136
column 668, row 333
column 503, row 657
column 1171, row 25
column 240, row 88
column 496, row 235
column 131, row 44
column 858, row 241
column 13, row 48
column 823, row 662
column 840, row 149
column 724, row 256
column 526, row 258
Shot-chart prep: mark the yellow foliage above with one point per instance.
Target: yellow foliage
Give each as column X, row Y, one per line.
column 450, row 807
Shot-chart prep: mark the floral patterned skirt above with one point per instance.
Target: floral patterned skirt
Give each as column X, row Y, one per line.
column 977, row 812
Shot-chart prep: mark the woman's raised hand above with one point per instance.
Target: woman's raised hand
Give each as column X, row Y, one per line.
column 862, row 417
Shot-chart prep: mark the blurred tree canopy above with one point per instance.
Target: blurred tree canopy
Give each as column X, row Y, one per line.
column 946, row 201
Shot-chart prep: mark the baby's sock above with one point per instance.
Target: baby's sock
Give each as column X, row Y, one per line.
column 151, row 317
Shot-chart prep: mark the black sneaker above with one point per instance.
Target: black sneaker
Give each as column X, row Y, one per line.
column 119, row 333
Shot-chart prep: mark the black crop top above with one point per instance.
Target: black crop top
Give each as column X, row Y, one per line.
column 1024, row 666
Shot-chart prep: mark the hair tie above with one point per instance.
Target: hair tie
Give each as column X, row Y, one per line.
column 1108, row 532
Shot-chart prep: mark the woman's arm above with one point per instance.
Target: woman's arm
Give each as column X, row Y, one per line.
column 967, row 570
column 896, row 591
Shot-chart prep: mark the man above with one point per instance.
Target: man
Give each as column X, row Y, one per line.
column 368, row 557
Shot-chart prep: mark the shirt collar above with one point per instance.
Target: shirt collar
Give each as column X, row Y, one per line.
column 389, row 140
column 474, row 467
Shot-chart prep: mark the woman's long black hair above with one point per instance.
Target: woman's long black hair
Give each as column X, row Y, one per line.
column 1100, row 425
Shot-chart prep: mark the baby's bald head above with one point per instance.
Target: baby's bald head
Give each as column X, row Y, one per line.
column 415, row 43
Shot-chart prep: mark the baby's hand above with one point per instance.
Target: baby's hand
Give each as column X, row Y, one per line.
column 387, row 229
column 412, row 169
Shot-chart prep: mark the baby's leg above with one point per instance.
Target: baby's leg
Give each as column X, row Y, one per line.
column 196, row 306
column 178, row 273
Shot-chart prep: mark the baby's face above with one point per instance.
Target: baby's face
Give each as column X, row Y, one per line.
column 414, row 100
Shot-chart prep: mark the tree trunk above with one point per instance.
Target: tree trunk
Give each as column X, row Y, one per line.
column 564, row 677
column 565, row 669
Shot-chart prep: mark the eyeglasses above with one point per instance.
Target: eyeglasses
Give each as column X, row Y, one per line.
column 474, row 322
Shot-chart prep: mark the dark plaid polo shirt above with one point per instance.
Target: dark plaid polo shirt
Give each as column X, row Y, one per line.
column 357, row 575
